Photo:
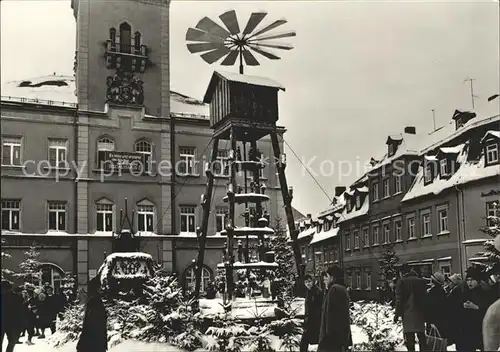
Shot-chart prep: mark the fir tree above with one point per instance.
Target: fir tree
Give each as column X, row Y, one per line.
column 387, row 264
column 492, row 246
column 283, row 255
column 30, row 267
column 5, row 272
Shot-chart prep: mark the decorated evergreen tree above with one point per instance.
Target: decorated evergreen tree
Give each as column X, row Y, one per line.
column 492, row 246
column 30, row 267
column 387, row 264
column 5, row 272
column 284, row 276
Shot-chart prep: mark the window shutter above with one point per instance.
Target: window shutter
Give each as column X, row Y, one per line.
column 62, row 156
column 140, row 222
column 99, row 222
column 52, row 156
column 150, row 223
column 183, row 223
column 52, row 221
column 191, row 224
column 15, row 220
column 62, row 221
column 17, row 155
column 5, row 220
column 6, row 155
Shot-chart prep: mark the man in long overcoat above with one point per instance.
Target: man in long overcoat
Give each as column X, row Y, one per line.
column 335, row 329
column 410, row 306
column 312, row 321
column 94, row 336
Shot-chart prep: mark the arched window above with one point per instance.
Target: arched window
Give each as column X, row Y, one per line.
column 146, row 149
column 112, row 35
column 145, row 216
column 104, row 215
column 51, row 274
column 125, row 37
column 190, row 279
column 104, row 144
column 137, row 40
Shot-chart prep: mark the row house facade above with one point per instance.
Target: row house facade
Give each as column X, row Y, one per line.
column 426, row 199
column 113, row 149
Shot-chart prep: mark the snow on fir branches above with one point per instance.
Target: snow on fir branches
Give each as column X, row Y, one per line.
column 491, row 252
column 30, row 267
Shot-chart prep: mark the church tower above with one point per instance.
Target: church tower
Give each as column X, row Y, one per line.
column 122, row 54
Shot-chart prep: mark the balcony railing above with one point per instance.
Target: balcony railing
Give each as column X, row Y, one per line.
column 126, row 56
column 126, row 49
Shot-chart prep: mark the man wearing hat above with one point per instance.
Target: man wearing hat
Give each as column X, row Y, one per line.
column 437, row 314
column 455, row 307
column 411, row 307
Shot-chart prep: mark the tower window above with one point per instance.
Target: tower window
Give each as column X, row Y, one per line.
column 125, row 37
column 137, row 40
column 112, row 34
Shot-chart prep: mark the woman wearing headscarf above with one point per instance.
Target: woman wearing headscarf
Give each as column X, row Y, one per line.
column 94, row 336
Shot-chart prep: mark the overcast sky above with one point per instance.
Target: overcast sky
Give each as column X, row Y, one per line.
column 359, row 70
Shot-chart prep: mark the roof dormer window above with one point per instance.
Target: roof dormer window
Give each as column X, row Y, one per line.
column 348, row 204
column 491, row 153
column 358, row 201
column 392, row 144
column 391, row 151
column 444, row 167
column 428, row 173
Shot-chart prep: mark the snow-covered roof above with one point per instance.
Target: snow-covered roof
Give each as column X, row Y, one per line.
column 355, row 213
column 450, row 150
column 306, row 233
column 410, row 145
column 495, row 134
column 468, row 171
column 60, row 90
column 324, row 235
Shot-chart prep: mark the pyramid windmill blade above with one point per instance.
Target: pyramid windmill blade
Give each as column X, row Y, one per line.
column 250, row 60
column 276, row 36
column 254, row 20
column 264, row 53
column 230, row 59
column 274, row 45
column 211, row 27
column 215, row 55
column 268, row 28
column 198, row 47
column 230, row 21
column 197, row 35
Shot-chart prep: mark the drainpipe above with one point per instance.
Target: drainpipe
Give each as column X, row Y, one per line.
column 461, row 226
column 75, row 190
column 173, row 206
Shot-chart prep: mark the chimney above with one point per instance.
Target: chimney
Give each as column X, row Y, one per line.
column 410, row 130
column 339, row 190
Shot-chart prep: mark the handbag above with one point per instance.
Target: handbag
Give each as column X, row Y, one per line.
column 434, row 340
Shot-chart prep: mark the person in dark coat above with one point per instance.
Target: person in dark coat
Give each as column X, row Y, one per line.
column 312, row 321
column 94, row 336
column 53, row 308
column 455, row 307
column 12, row 318
column 410, row 306
column 437, row 308
column 475, row 304
column 335, row 330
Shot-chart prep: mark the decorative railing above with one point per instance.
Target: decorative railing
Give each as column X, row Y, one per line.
column 37, row 101
column 126, row 57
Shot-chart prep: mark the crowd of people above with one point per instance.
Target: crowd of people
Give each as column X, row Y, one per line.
column 464, row 313
column 29, row 311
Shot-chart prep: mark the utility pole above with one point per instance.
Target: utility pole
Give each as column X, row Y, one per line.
column 471, row 90
column 434, row 119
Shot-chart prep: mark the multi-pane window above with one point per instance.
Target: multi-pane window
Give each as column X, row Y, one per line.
column 375, row 191
column 11, row 213
column 426, row 224
column 146, row 149
column 411, row 227
column 387, row 191
column 221, row 165
column 358, row 281
column 191, row 279
column 492, row 209
column 443, row 165
column 104, row 145
column 145, row 217
column 11, row 151
column 51, row 274
column 58, row 150
column 187, row 161
column 398, row 230
column 368, row 281
column 57, row 215
column 491, row 153
column 220, row 218
column 366, row 237
column 428, row 173
column 104, row 216
column 356, row 239
column 375, row 234
column 387, row 233
column 358, row 201
column 348, row 241
column 188, row 219
column 398, row 188
column 443, row 219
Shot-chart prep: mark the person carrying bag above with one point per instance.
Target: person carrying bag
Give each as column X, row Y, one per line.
column 434, row 340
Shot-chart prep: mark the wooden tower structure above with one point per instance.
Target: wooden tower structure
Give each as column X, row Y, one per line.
column 244, row 109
